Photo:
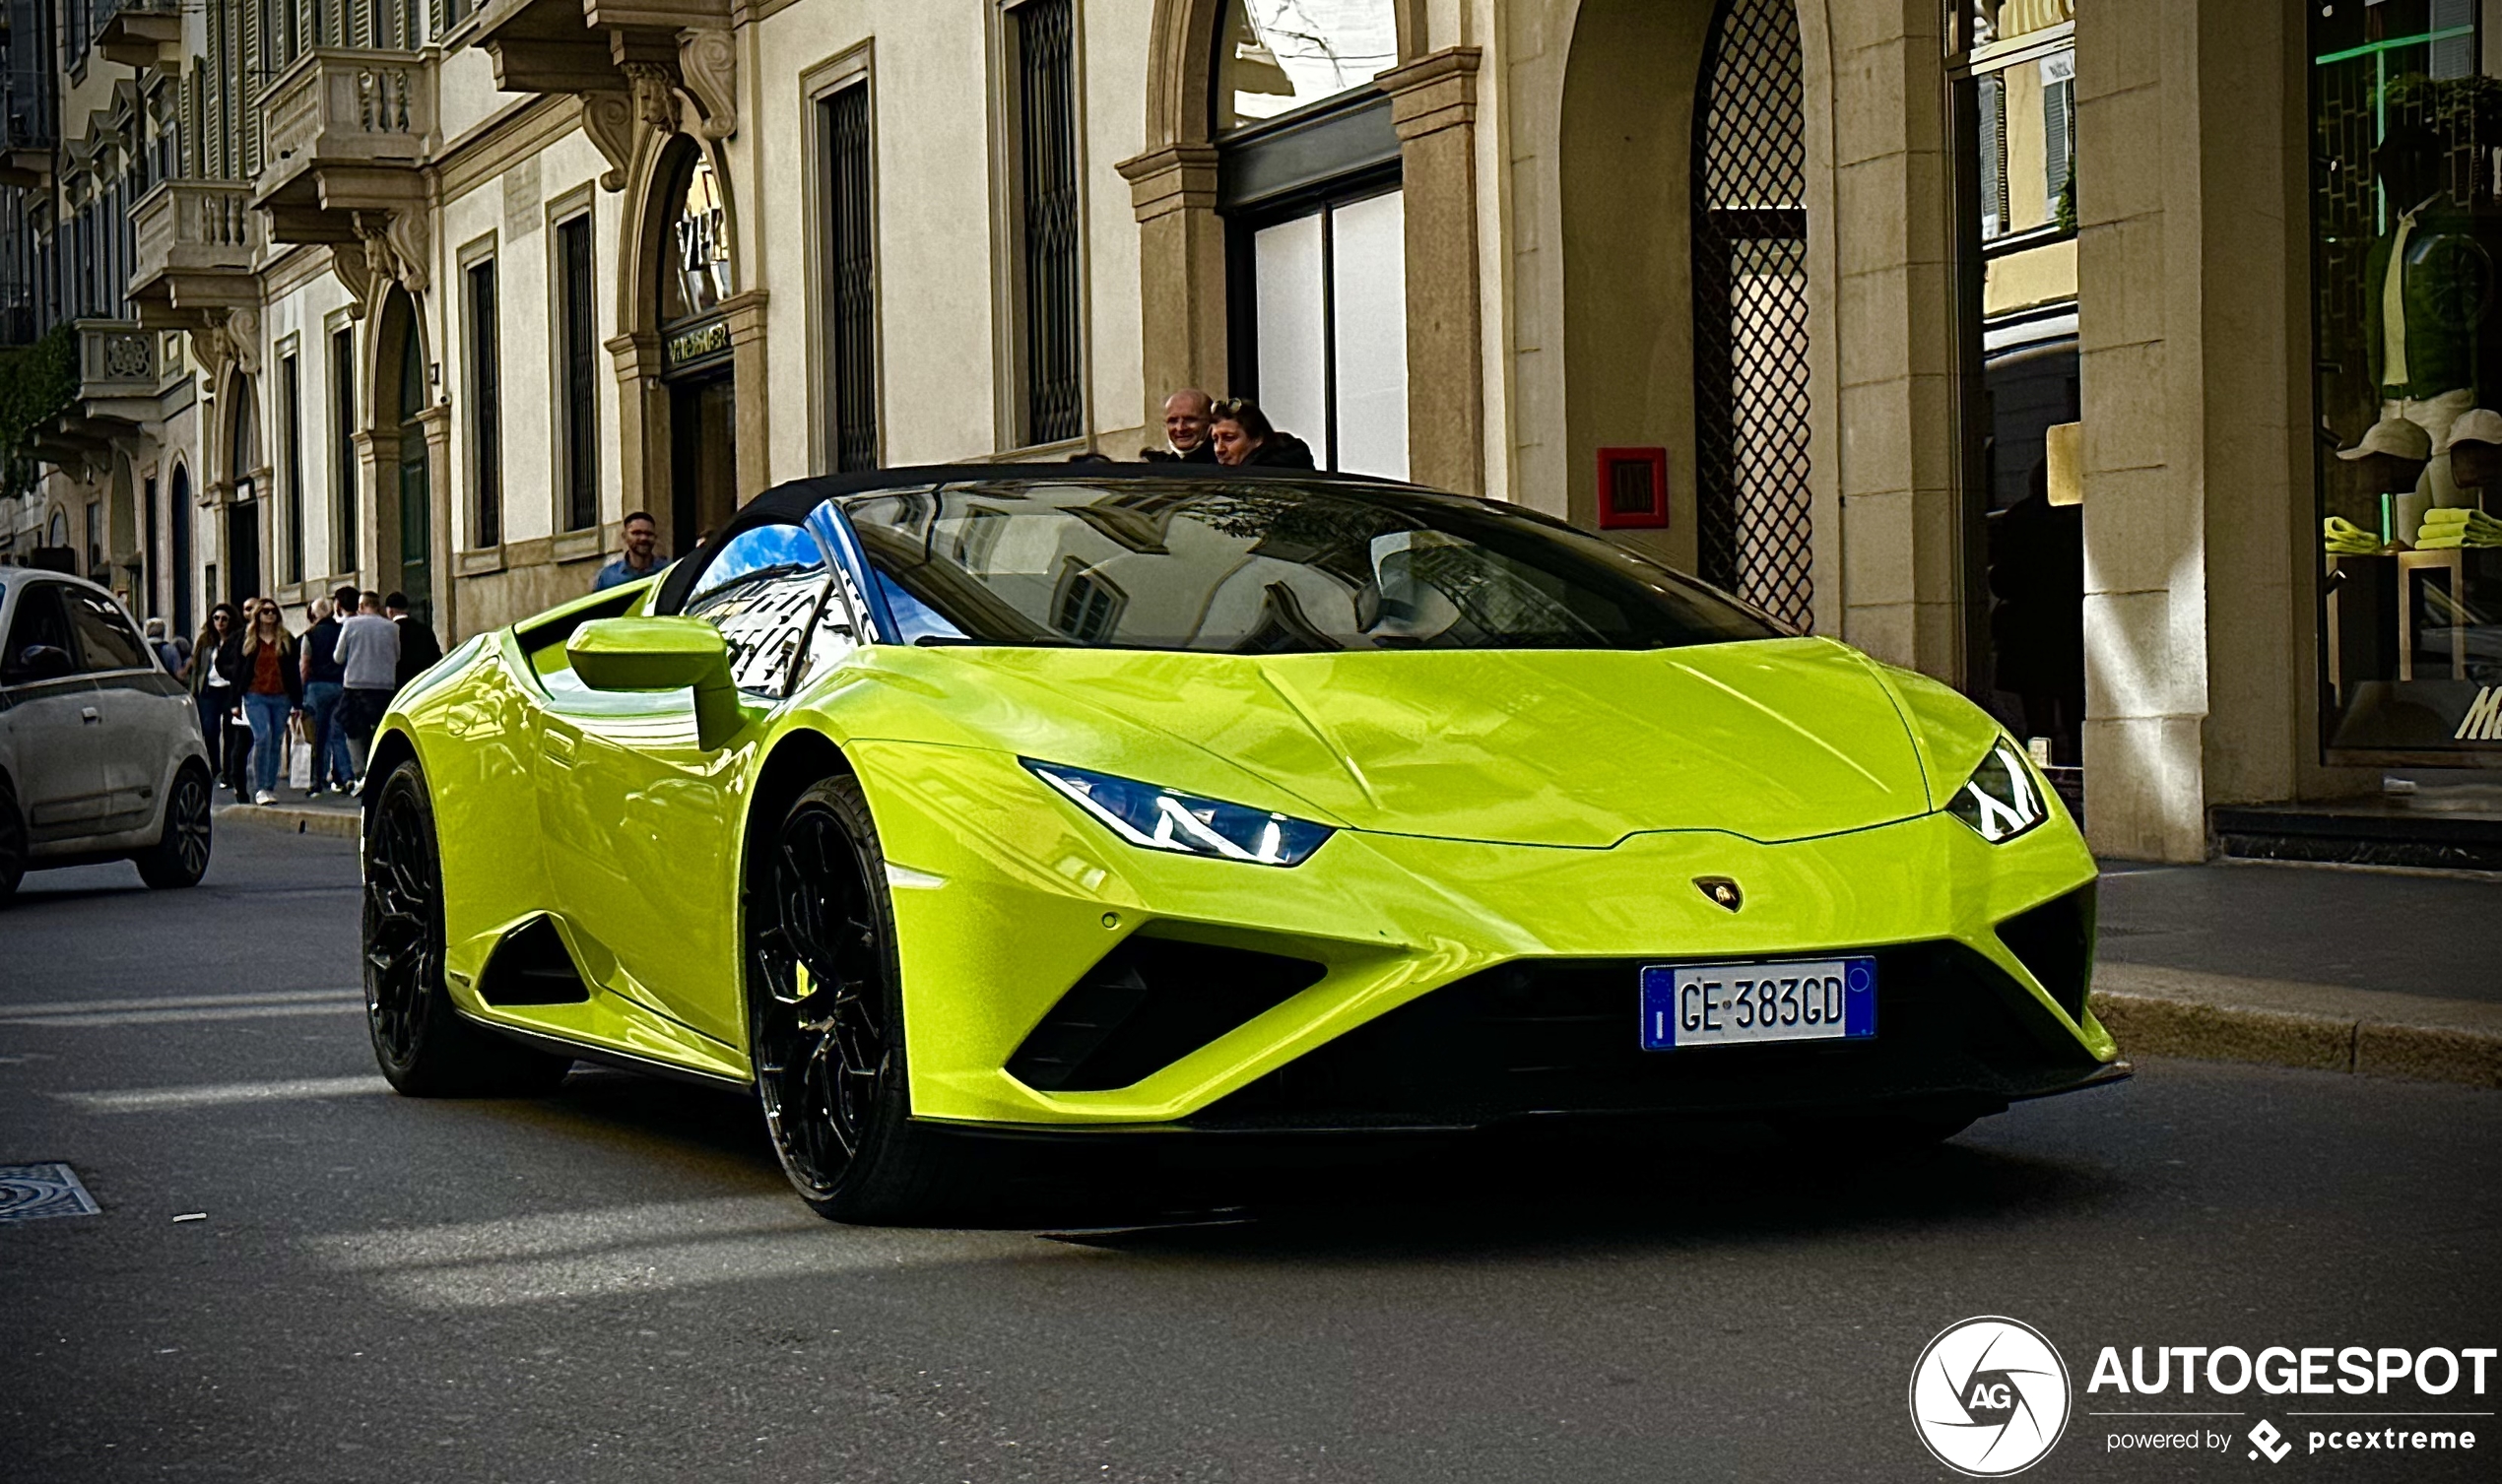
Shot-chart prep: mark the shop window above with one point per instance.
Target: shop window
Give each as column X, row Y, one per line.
column 2406, row 134
column 1993, row 156
column 1051, row 398
column 1275, row 56
column 1330, row 319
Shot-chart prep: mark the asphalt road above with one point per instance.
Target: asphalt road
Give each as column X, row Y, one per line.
column 611, row 1284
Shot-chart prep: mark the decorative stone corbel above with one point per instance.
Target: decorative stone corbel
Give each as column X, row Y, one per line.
column 395, row 246
column 609, row 118
column 229, row 342
column 356, row 273
column 655, row 99
column 709, row 60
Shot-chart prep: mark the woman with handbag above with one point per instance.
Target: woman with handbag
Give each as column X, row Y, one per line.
column 272, row 694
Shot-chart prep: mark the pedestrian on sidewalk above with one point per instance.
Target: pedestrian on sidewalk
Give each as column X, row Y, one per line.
column 1242, row 436
column 641, row 537
column 419, row 648
column 217, row 689
column 273, row 695
column 1186, row 417
column 368, row 651
column 173, row 653
column 323, row 685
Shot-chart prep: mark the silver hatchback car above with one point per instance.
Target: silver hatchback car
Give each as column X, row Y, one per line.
column 101, row 757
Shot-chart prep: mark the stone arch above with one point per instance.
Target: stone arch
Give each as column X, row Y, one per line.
column 181, row 513
column 403, row 440
column 644, row 438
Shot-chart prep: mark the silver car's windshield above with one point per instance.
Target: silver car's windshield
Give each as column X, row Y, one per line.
column 1288, row 566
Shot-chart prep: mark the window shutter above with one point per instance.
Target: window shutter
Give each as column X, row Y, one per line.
column 1993, row 156
column 2059, row 146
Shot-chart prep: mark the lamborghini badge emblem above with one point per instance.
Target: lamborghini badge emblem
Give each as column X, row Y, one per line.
column 1723, row 891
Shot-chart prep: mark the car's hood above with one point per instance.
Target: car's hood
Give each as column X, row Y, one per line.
column 1775, row 740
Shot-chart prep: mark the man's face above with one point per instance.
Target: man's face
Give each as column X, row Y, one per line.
column 1185, row 422
column 640, row 536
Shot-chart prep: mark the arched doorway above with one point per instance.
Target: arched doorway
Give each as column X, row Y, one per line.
column 1750, row 309
column 694, row 278
column 244, row 508
column 1685, row 287
column 404, row 482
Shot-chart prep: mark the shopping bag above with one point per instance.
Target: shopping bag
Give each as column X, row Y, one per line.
column 299, row 758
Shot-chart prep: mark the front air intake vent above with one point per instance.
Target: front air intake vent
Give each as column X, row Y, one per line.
column 531, row 967
column 1149, row 1003
column 2056, row 941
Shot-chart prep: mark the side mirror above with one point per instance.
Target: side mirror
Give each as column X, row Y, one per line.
column 662, row 654
column 41, row 662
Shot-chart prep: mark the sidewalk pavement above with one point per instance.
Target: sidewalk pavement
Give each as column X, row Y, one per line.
column 2378, row 972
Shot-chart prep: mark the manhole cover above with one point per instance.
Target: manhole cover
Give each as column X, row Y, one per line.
column 30, row 1193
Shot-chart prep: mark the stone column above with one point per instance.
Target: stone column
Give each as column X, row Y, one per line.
column 745, row 315
column 2192, row 277
column 436, row 421
column 1181, row 273
column 378, row 540
column 1433, row 105
column 1894, row 323
column 642, row 428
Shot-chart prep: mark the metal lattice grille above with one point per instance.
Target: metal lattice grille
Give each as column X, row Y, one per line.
column 1047, row 121
column 1751, row 362
column 852, row 334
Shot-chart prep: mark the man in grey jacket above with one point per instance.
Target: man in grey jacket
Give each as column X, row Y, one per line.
column 369, row 653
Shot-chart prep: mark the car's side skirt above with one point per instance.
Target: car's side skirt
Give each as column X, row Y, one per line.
column 606, row 1056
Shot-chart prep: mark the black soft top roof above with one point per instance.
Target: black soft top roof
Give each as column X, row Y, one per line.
column 789, row 503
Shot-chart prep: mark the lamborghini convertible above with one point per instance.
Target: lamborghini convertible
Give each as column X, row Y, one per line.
column 1083, row 802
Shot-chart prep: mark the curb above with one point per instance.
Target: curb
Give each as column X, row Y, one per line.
column 340, row 823
column 2161, row 1026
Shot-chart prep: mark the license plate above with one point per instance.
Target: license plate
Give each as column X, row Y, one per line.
column 1733, row 1005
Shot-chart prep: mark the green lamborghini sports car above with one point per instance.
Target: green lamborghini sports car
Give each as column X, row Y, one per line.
column 1168, row 800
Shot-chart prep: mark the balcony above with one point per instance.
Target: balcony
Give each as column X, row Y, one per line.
column 194, row 253
column 118, row 384
column 347, row 133
column 138, row 33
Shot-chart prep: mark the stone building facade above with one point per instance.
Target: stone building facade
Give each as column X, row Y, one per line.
column 1797, row 293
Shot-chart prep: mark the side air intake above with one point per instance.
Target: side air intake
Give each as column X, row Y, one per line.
column 531, row 967
column 1149, row 1003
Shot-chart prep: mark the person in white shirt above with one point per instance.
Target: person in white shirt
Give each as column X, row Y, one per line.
column 368, row 654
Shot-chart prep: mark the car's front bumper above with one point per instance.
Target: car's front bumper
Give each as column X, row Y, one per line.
column 1465, row 983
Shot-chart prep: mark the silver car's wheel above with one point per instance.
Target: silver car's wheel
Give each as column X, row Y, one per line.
column 180, row 856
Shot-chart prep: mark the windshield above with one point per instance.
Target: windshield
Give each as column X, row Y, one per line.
column 1279, row 567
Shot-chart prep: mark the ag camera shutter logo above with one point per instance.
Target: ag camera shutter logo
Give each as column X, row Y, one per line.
column 1990, row 1396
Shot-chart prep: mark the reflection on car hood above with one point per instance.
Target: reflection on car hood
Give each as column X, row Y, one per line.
column 1777, row 739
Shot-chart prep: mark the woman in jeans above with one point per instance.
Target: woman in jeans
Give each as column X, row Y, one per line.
column 273, row 691
column 217, row 687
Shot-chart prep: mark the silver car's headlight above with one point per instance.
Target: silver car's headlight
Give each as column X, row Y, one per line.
column 1158, row 818
column 2000, row 800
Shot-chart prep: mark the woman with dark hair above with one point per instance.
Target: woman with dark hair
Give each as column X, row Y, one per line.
column 273, row 693
column 1242, row 436
column 217, row 689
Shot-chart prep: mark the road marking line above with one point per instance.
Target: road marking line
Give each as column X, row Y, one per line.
column 183, row 1018
column 219, row 1094
column 178, row 1002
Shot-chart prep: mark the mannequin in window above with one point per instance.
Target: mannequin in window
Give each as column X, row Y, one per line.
column 2388, row 465
column 2428, row 285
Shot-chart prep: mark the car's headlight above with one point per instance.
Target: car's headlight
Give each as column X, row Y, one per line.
column 2001, row 800
column 1158, row 819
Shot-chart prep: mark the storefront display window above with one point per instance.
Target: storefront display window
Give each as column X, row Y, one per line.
column 2406, row 215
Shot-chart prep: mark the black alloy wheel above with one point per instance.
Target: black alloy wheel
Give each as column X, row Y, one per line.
column 825, row 1018
column 180, row 856
column 12, row 842
column 425, row 1048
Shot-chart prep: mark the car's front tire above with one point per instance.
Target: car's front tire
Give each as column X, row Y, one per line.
column 425, row 1048
column 825, row 1019
column 180, row 856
